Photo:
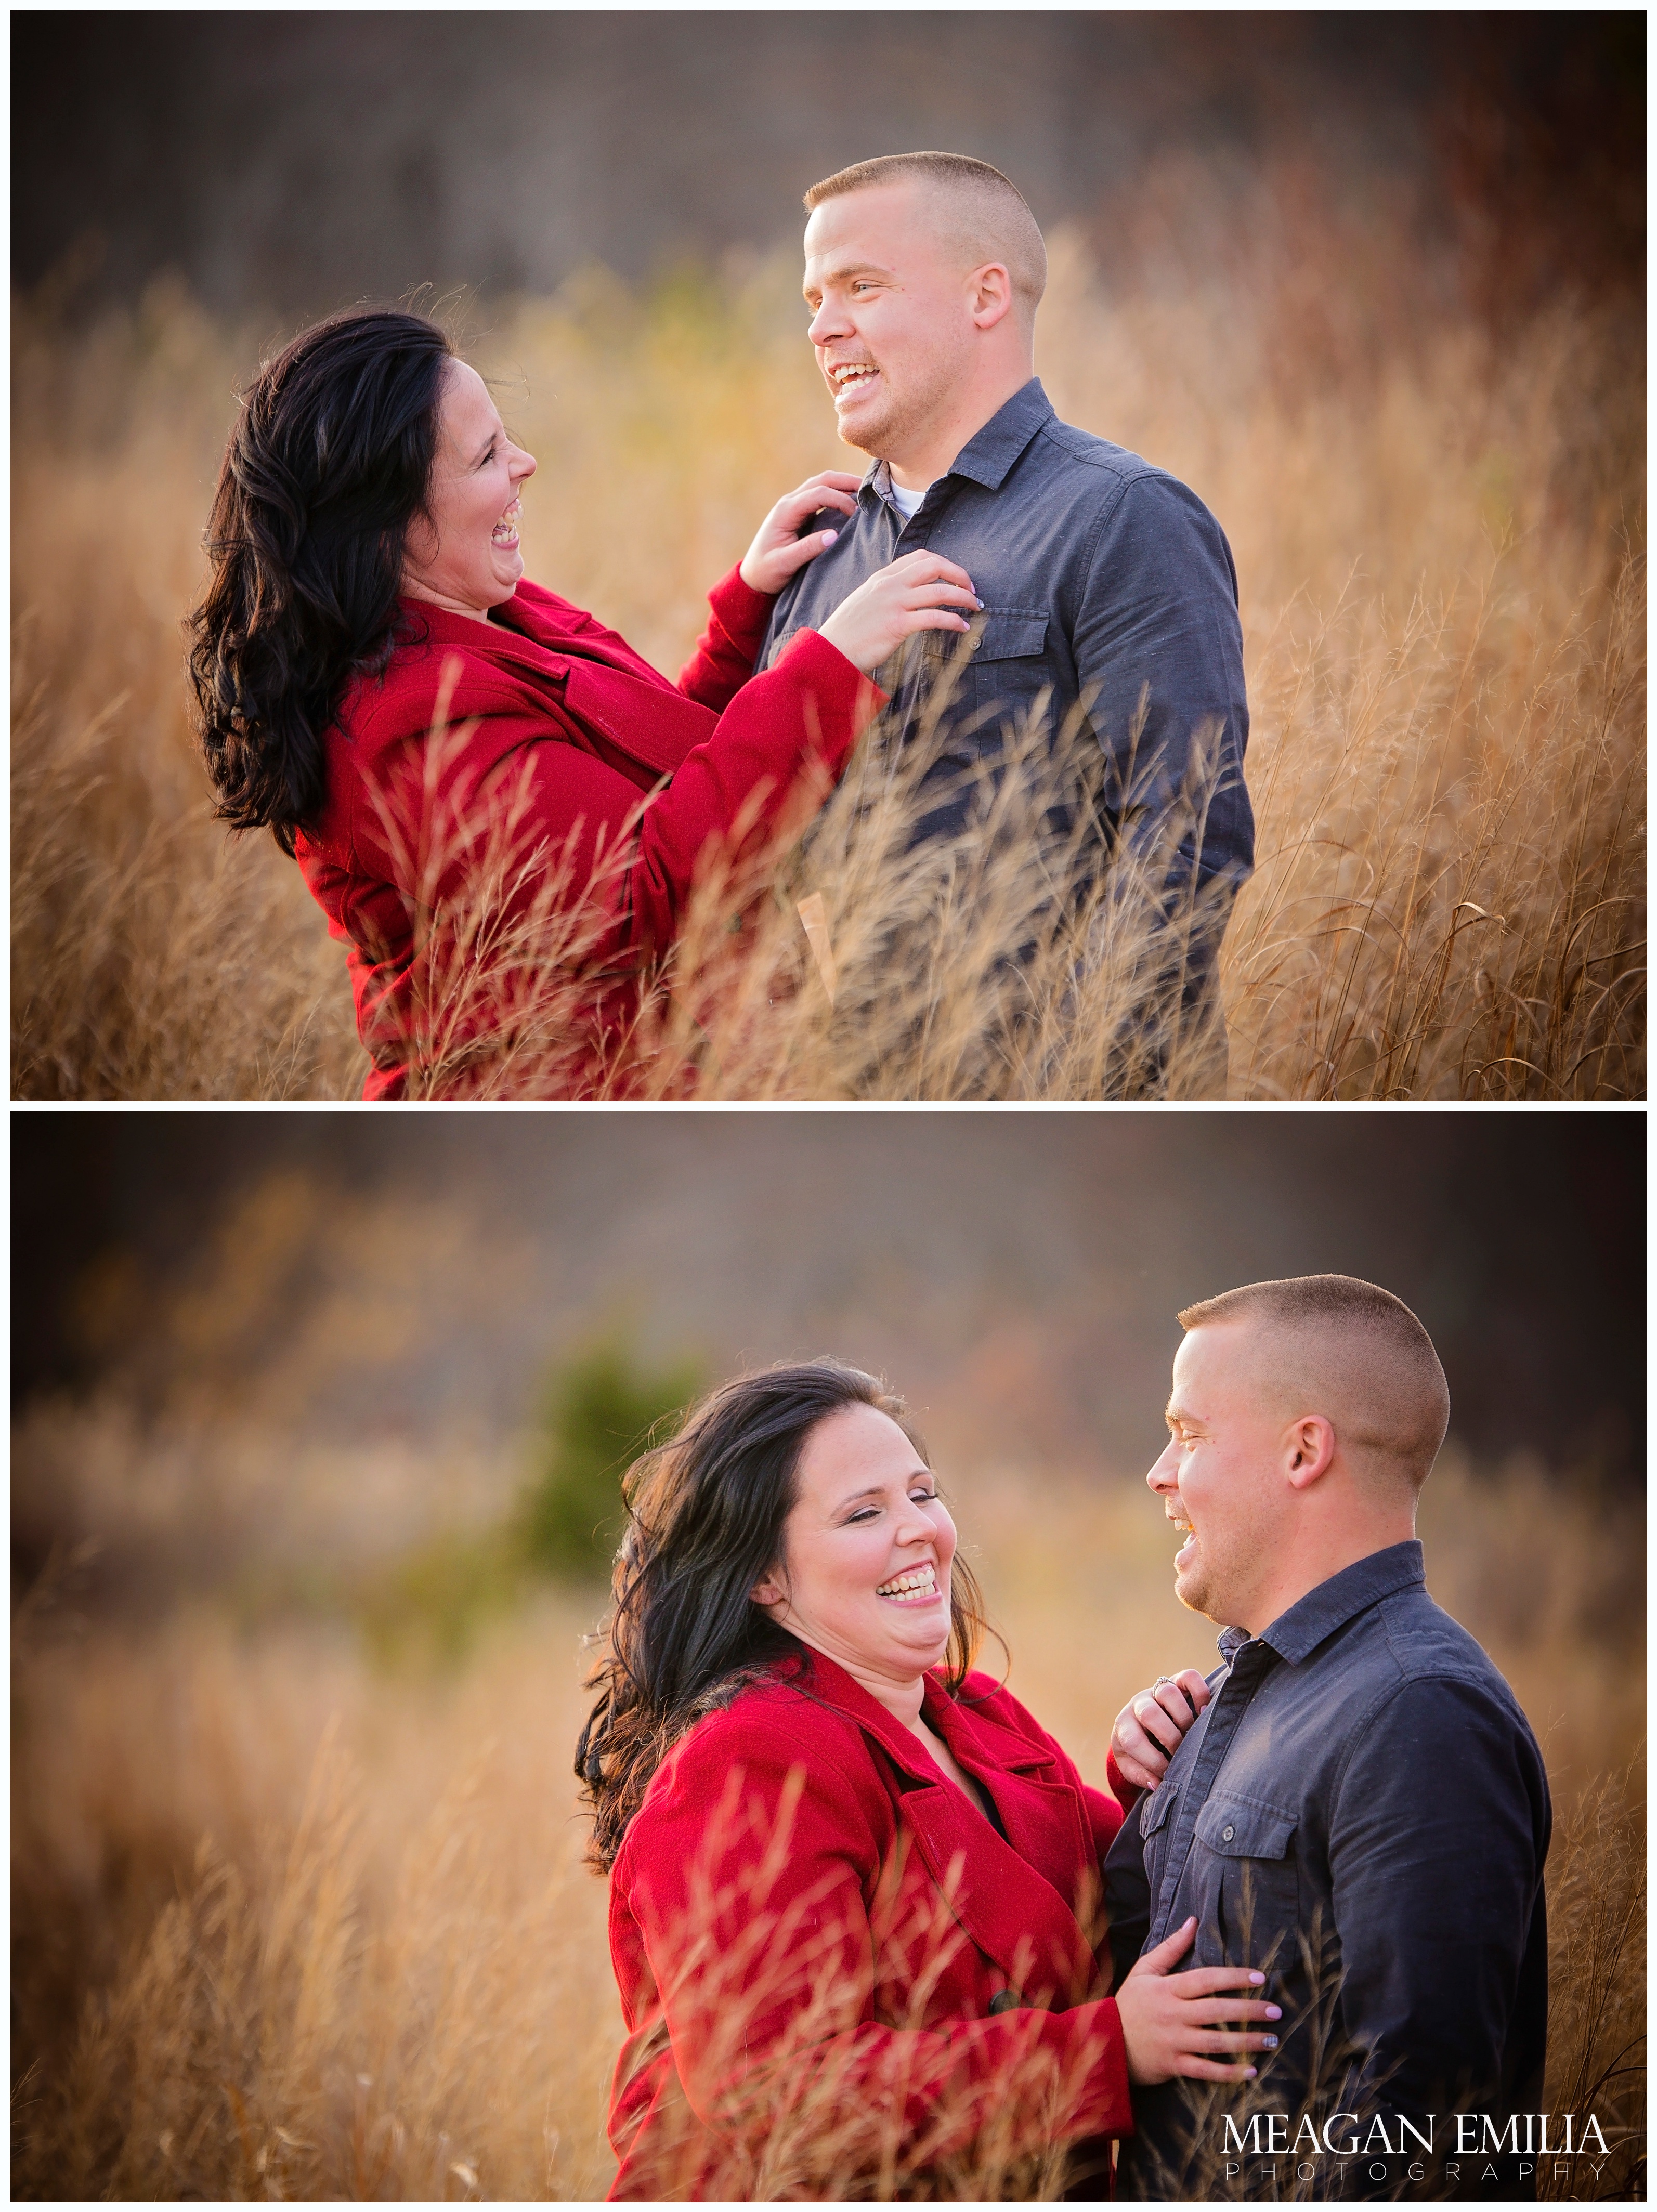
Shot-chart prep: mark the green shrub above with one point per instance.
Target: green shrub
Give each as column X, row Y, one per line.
column 598, row 1413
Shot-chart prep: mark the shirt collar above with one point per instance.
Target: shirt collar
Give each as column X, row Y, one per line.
column 989, row 453
column 1299, row 1631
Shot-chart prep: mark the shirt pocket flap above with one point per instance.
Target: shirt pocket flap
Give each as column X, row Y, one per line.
column 1153, row 1813
column 1010, row 634
column 1245, row 1831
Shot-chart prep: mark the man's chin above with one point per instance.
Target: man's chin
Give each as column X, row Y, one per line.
column 868, row 431
column 1195, row 1592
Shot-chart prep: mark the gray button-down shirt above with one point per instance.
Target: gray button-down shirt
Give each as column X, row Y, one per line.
column 1362, row 1810
column 1107, row 585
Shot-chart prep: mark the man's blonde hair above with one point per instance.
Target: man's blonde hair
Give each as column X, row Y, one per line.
column 1361, row 1347
column 984, row 213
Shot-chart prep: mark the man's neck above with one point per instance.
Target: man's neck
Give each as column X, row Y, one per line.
column 1301, row 1578
column 931, row 453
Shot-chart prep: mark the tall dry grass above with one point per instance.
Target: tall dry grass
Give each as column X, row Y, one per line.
column 1440, row 539
column 287, row 1923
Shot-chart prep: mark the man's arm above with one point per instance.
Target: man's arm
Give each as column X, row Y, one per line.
column 1159, row 650
column 1127, row 1898
column 1437, row 1838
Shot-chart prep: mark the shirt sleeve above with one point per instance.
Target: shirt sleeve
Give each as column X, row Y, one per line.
column 1444, row 1803
column 756, row 1888
column 1159, row 650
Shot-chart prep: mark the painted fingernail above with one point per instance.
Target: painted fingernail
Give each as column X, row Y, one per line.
column 1274, row 2012
column 1257, row 1979
column 1249, row 2073
column 1268, row 2043
column 829, row 537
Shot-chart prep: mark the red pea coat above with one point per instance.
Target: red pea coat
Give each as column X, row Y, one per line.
column 575, row 781
column 826, row 1950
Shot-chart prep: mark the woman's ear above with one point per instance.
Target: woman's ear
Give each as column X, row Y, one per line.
column 767, row 1591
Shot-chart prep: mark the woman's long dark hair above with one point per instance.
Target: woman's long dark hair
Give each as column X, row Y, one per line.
column 327, row 466
column 705, row 1515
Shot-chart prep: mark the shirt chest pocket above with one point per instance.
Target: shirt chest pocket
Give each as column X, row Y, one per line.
column 1009, row 666
column 1251, row 1879
column 997, row 676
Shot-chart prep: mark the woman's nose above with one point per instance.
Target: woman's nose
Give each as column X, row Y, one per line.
column 523, row 464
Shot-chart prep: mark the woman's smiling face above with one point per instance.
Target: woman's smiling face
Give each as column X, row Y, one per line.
column 864, row 1575
column 466, row 558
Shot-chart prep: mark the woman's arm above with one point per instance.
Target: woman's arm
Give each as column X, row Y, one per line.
column 726, row 651
column 499, row 813
column 723, row 656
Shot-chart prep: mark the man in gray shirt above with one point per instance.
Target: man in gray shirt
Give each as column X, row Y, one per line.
column 1108, row 589
column 1358, row 1806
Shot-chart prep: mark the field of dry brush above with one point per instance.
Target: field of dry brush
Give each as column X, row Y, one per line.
column 291, row 1922
column 1439, row 535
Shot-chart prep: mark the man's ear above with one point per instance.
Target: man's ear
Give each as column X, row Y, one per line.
column 1310, row 1447
column 992, row 294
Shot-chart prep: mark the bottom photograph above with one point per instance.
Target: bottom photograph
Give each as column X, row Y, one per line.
column 747, row 1655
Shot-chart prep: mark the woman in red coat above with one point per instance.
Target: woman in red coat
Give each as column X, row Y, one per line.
column 501, row 809
column 854, row 1885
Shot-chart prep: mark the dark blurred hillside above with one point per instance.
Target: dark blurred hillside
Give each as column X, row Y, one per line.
column 1017, row 1271
column 293, row 160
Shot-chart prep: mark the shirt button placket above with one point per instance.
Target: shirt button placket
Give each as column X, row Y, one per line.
column 1225, row 1718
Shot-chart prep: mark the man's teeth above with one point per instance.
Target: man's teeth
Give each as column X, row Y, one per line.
column 905, row 1585
column 846, row 378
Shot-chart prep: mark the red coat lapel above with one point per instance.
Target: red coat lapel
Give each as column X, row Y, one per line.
column 623, row 705
column 1011, row 1897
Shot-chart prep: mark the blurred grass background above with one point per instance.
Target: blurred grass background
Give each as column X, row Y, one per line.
column 310, row 1431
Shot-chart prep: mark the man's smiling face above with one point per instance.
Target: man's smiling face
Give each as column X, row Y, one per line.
column 1221, row 1479
column 891, row 314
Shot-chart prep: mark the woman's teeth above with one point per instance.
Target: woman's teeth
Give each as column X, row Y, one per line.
column 505, row 531
column 915, row 1583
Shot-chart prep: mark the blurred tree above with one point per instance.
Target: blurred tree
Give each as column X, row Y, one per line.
column 598, row 1413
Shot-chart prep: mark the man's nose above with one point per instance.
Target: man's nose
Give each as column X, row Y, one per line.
column 829, row 322
column 1162, row 1476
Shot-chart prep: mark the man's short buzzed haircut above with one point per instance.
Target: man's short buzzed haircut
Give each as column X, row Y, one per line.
column 988, row 215
column 1338, row 1331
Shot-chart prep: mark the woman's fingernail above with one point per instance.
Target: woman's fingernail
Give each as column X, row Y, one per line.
column 828, row 537
column 1257, row 1979
column 1268, row 2043
column 1249, row 2073
column 1274, row 2012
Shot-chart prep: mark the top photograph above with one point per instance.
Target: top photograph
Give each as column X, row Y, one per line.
column 692, row 557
